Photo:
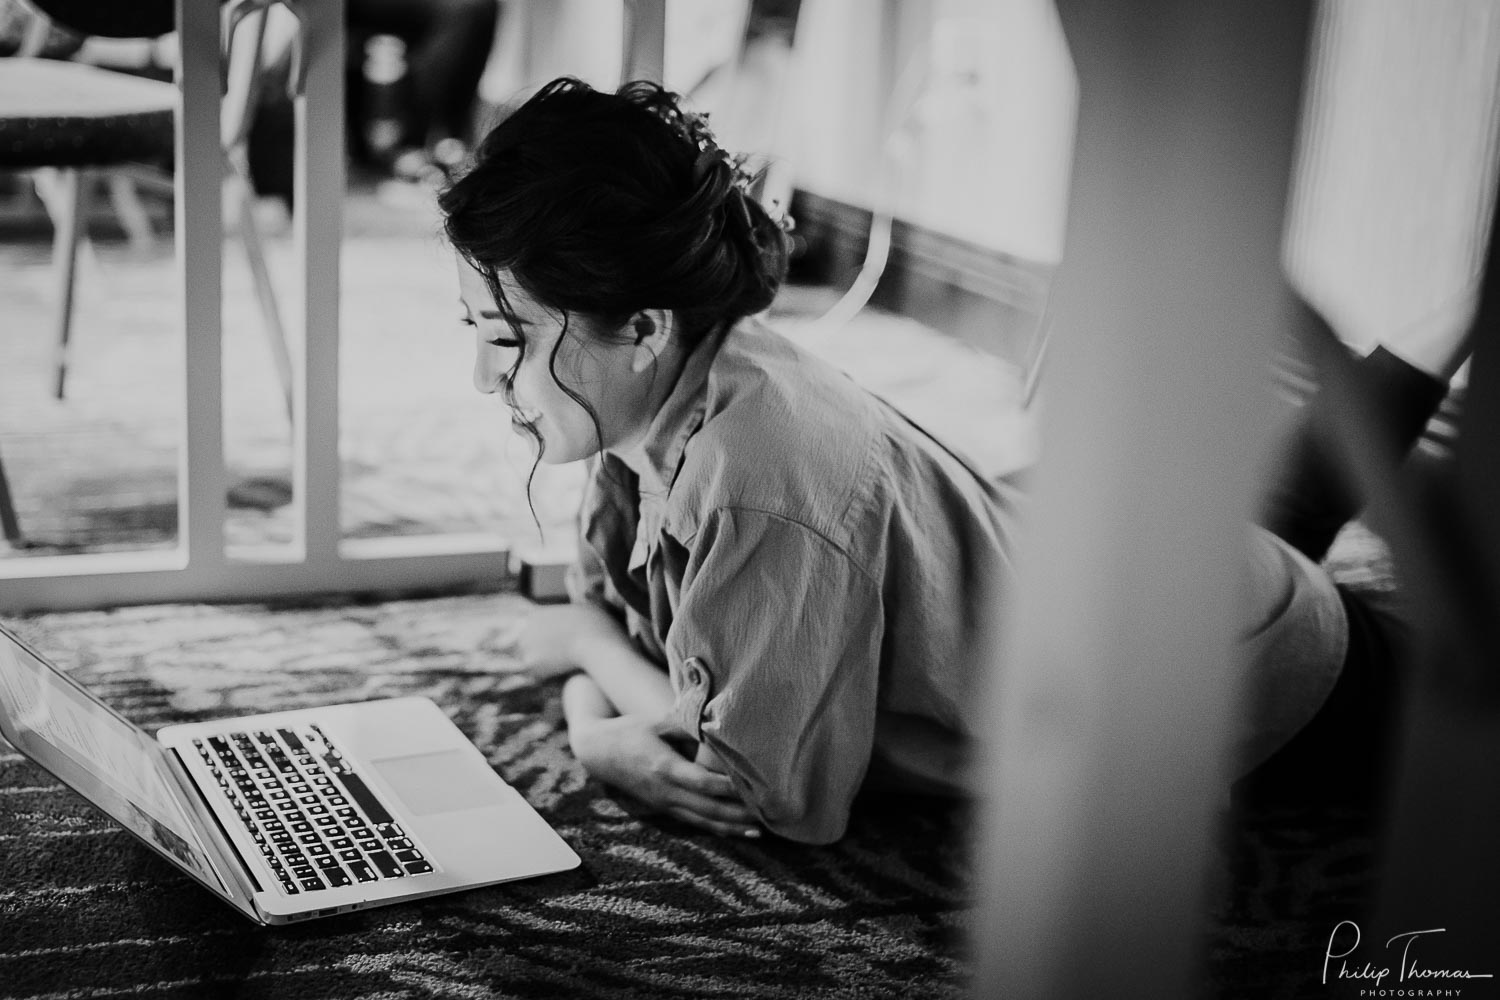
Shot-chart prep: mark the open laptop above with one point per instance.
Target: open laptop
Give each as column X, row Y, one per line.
column 288, row 815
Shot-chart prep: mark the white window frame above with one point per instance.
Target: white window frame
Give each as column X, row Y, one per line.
column 319, row 560
column 200, row 568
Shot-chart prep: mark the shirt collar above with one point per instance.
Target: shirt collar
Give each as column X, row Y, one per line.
column 682, row 414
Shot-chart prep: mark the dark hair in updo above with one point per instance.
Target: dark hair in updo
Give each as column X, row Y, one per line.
column 607, row 204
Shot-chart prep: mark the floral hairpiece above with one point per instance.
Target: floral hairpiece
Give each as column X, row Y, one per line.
column 701, row 135
column 696, row 128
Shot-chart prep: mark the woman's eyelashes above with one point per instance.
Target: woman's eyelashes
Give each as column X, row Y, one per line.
column 511, row 342
column 513, row 323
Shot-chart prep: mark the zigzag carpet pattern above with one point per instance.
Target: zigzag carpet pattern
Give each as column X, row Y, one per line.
column 656, row 910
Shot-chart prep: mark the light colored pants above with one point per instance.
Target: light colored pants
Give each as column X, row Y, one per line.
column 1292, row 651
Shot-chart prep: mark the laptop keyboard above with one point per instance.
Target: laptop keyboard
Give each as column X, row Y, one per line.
column 316, row 822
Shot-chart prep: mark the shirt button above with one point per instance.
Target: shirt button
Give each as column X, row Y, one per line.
column 695, row 673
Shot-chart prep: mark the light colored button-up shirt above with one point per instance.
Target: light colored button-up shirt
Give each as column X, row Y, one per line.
column 814, row 571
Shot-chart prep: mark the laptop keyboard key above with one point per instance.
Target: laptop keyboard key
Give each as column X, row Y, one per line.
column 360, row 793
column 386, row 864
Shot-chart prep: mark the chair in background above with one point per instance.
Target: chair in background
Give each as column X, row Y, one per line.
column 67, row 123
column 10, row 530
column 59, row 119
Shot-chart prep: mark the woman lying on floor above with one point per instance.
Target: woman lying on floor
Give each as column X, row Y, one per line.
column 780, row 575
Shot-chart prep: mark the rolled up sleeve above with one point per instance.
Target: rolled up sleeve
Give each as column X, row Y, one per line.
column 774, row 654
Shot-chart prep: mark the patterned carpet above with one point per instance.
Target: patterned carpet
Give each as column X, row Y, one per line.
column 656, row 910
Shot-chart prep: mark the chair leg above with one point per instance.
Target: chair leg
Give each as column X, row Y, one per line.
column 265, row 292
column 66, row 196
column 134, row 218
column 246, row 75
column 10, row 528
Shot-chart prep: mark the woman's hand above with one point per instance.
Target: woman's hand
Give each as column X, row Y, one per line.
column 552, row 641
column 628, row 753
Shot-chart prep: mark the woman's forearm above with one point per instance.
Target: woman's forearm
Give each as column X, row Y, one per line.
column 632, row 683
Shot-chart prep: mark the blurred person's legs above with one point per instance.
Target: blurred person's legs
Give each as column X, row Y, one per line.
column 1326, row 661
column 447, row 46
column 1310, row 502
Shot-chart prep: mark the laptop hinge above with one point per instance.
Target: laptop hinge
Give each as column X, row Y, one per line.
column 246, row 883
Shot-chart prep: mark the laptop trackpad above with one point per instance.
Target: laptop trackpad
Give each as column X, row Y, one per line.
column 445, row 781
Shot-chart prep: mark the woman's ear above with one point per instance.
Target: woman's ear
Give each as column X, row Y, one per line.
column 650, row 329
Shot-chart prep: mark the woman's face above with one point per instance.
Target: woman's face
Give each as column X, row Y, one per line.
column 596, row 367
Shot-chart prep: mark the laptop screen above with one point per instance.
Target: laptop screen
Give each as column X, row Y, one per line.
column 116, row 766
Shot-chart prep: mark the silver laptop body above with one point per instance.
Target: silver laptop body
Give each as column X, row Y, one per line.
column 288, row 815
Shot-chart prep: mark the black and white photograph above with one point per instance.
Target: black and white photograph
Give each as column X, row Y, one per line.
column 765, row 499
